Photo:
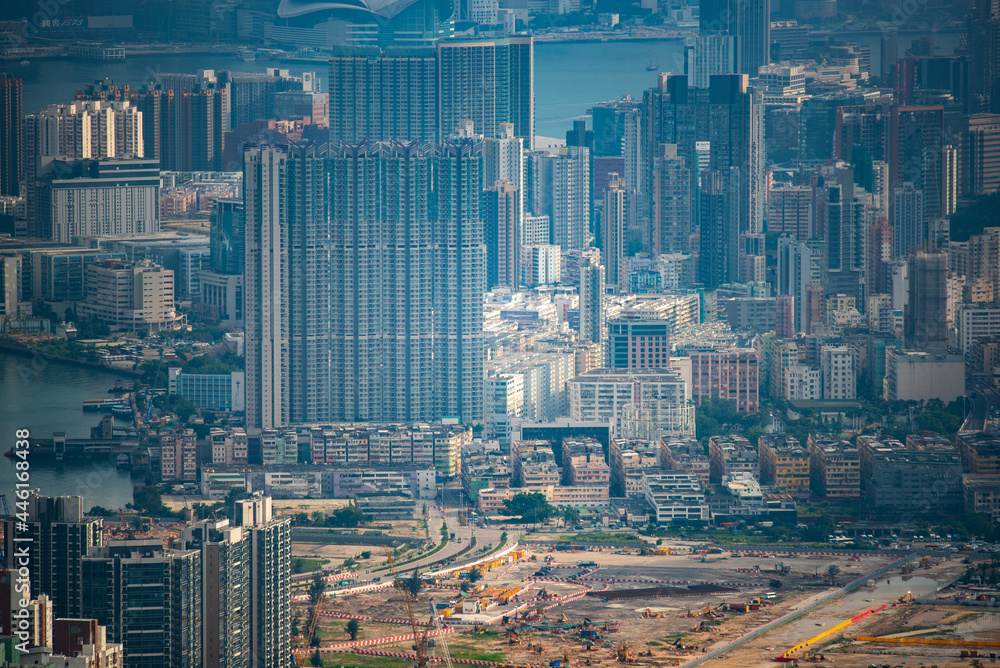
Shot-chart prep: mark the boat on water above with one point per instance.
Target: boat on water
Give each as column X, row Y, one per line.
column 25, row 63
column 101, row 404
column 122, row 410
column 246, row 54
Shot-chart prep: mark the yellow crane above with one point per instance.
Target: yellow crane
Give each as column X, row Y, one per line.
column 313, row 622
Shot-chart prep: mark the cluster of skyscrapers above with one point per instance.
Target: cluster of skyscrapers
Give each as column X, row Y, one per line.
column 219, row 596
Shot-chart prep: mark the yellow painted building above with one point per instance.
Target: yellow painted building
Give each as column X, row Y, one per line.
column 785, row 463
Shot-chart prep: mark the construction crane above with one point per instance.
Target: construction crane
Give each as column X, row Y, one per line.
column 300, row 658
column 314, row 617
column 419, row 639
column 443, row 643
column 149, row 393
column 420, row 643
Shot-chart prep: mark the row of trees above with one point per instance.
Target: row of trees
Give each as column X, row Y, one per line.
column 534, row 508
column 343, row 517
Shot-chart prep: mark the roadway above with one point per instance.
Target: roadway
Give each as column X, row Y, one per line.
column 451, row 496
column 985, row 407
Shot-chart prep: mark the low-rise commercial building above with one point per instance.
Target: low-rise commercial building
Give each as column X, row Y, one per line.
column 976, row 322
column 416, row 482
column 218, row 392
column 583, row 463
column 726, row 373
column 743, row 498
column 490, row 501
column 216, row 483
column 784, row 463
column 731, row 454
column 288, row 484
column 533, row 464
column 981, row 494
column 923, row 476
column 630, row 458
column 438, row 446
column 834, row 467
column 837, row 365
column 229, row 446
column 178, row 455
column 675, row 497
column 130, row 296
column 483, row 471
column 658, row 397
column 387, row 508
column 980, row 452
column 920, row 376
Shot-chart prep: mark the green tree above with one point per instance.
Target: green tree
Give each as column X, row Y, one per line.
column 352, row 628
column 317, row 587
column 235, row 494
column 571, row 515
column 347, row 516
column 365, row 555
column 832, row 571
column 531, row 507
column 413, row 584
column 149, row 501
column 316, row 659
column 475, row 576
column 819, row 530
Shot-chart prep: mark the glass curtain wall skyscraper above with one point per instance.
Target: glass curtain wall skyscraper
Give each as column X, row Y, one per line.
column 749, row 21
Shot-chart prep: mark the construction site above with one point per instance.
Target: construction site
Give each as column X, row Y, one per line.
column 530, row 606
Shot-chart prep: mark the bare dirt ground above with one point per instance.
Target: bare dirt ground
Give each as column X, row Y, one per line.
column 292, row 506
column 668, row 631
column 336, row 553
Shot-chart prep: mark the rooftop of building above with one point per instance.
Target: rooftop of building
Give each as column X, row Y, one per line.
column 924, row 357
column 984, row 444
column 981, row 482
column 824, row 405
column 732, row 440
column 782, row 443
column 626, row 375
column 831, row 443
